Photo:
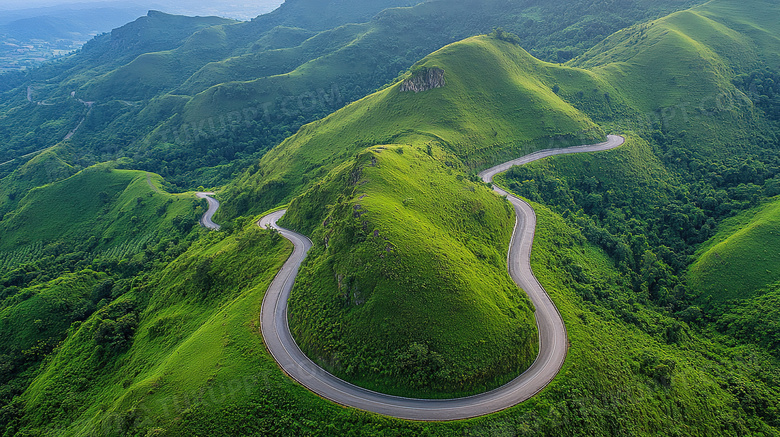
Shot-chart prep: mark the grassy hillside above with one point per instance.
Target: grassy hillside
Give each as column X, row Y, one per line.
column 151, row 73
column 43, row 169
column 99, row 201
column 620, row 378
column 486, row 79
column 709, row 152
column 113, row 221
column 28, row 127
column 704, row 113
column 631, row 203
column 31, row 317
column 157, row 31
column 185, row 334
column 644, row 351
column 716, row 133
column 403, row 243
column 198, row 100
column 176, row 350
column 72, row 247
column 266, row 63
column 34, row 320
column 681, row 44
column 741, row 258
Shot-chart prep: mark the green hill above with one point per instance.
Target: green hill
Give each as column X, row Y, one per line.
column 619, row 379
column 713, row 147
column 186, row 328
column 70, row 247
column 113, row 221
column 34, row 320
column 99, row 201
column 485, row 79
column 489, row 78
column 200, row 99
column 43, row 169
column 741, row 258
column 405, row 289
column 612, row 84
column 402, row 244
column 157, row 31
column 736, row 274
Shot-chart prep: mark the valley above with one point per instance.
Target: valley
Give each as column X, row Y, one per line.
column 552, row 332
column 298, row 225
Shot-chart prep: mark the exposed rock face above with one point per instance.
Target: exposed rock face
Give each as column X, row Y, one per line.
column 424, row 80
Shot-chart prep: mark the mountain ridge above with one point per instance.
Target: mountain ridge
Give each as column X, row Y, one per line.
column 172, row 346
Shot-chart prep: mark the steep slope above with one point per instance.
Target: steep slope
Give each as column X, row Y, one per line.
column 155, row 32
column 154, row 72
column 618, row 380
column 610, row 84
column 741, row 258
column 529, row 104
column 639, row 363
column 678, row 72
column 43, row 169
column 483, row 79
column 41, row 111
column 199, row 99
column 711, row 132
column 99, row 201
column 404, row 244
column 69, row 248
column 680, row 44
column 185, row 328
column 114, row 221
column 438, row 118
column 682, row 85
column 697, row 86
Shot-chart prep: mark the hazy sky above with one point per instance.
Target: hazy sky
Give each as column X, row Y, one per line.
column 244, row 9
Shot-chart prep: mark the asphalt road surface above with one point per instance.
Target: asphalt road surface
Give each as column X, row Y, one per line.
column 553, row 341
column 206, row 220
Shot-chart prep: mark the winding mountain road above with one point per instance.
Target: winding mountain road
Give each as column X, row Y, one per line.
column 553, row 341
column 206, row 220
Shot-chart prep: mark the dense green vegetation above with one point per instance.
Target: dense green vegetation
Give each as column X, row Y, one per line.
column 519, row 93
column 735, row 274
column 198, row 100
column 703, row 168
column 405, row 243
column 740, row 259
column 71, row 247
column 616, row 370
column 753, row 320
column 188, row 327
column 107, row 329
column 648, row 205
column 763, row 88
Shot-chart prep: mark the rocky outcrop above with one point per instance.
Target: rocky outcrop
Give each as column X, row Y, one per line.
column 423, row 80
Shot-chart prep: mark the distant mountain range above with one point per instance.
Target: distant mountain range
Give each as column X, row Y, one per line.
column 368, row 122
column 15, row 10
column 32, row 35
column 66, row 22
